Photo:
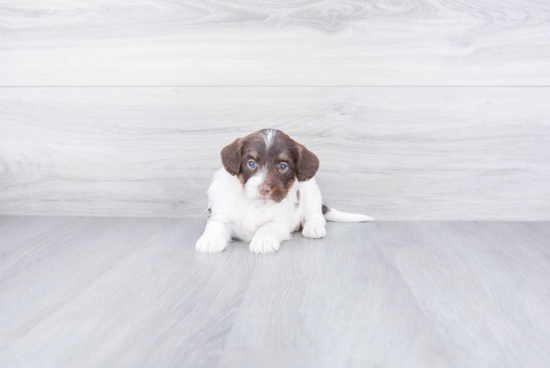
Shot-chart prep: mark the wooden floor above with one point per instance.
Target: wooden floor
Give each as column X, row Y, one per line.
column 92, row 292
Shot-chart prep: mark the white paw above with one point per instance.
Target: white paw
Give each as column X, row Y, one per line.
column 314, row 229
column 210, row 244
column 264, row 244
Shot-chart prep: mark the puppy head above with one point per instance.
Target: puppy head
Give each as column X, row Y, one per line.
column 267, row 163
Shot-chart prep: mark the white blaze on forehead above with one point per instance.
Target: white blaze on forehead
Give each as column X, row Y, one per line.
column 268, row 137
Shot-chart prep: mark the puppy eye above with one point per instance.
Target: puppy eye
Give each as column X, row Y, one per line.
column 283, row 167
column 252, row 164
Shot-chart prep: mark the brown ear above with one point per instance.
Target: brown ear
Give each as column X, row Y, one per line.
column 306, row 163
column 232, row 156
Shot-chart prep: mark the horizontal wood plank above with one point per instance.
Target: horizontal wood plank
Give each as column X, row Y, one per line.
column 154, row 42
column 392, row 153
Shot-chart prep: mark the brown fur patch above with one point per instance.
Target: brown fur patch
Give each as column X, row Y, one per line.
column 302, row 164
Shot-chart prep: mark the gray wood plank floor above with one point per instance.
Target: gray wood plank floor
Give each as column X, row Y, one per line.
column 133, row 292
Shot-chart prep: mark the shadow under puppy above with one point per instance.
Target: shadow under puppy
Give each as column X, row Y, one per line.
column 265, row 191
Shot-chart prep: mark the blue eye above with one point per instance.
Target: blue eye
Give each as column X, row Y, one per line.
column 251, row 164
column 283, row 167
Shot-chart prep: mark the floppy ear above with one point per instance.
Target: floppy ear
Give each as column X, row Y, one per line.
column 306, row 162
column 232, row 156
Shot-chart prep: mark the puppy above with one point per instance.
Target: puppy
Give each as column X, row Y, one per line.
column 265, row 191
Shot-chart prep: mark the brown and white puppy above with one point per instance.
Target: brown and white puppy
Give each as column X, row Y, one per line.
column 265, row 191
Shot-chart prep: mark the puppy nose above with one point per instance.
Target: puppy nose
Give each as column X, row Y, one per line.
column 264, row 189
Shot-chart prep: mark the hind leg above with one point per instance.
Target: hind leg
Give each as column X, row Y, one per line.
column 311, row 203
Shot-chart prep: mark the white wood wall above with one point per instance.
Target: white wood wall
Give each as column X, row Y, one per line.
column 430, row 110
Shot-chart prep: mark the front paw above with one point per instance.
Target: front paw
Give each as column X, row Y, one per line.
column 264, row 244
column 210, row 244
column 314, row 229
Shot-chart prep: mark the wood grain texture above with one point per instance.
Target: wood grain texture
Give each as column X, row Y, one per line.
column 118, row 292
column 349, row 306
column 463, row 273
column 393, row 153
column 134, row 293
column 389, row 42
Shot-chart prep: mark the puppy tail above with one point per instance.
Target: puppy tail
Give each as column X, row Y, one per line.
column 332, row 214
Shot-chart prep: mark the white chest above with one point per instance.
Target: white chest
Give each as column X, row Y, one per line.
column 229, row 204
column 252, row 216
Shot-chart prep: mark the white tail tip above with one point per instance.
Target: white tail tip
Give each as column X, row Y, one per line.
column 332, row 214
